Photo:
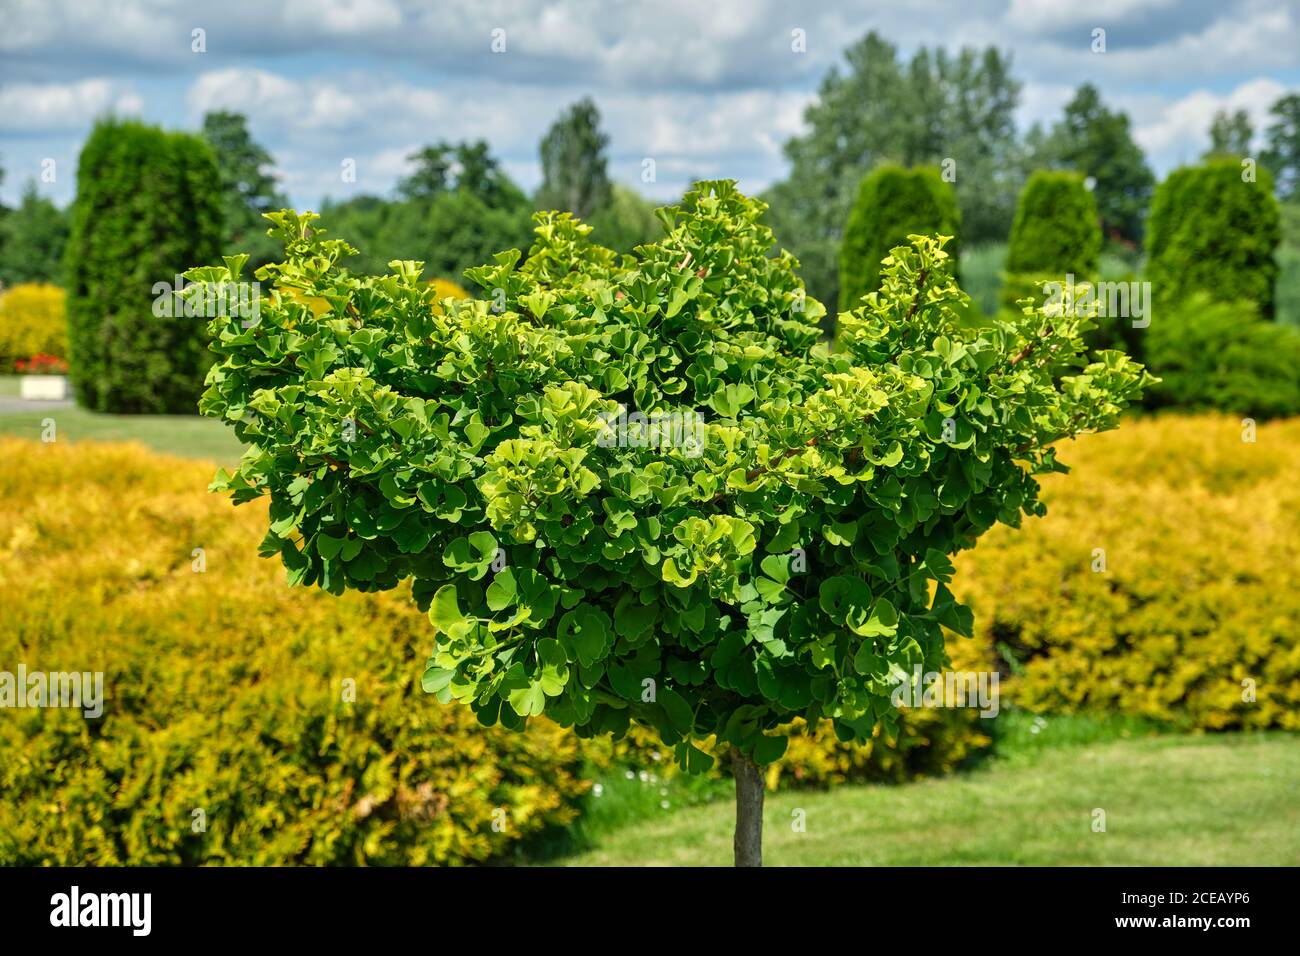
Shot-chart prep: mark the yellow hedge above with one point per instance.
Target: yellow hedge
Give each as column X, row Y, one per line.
column 226, row 696
column 1201, row 589
column 226, row 692
column 226, row 689
column 32, row 322
column 446, row 289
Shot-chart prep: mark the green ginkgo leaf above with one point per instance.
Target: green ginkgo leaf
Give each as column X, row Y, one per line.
column 528, row 701
column 444, row 612
column 328, row 546
column 501, row 592
column 882, row 621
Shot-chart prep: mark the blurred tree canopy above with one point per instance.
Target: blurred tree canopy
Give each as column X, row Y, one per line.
column 1098, row 143
column 454, row 210
column 32, row 238
column 627, row 221
column 1281, row 155
column 1230, row 134
column 955, row 112
column 575, row 174
column 248, row 185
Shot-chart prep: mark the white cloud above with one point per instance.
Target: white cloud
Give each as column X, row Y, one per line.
column 1249, row 37
column 1256, row 38
column 344, row 17
column 379, row 121
column 1042, row 103
column 344, row 106
column 1050, row 15
column 703, row 88
column 1177, row 131
column 50, row 107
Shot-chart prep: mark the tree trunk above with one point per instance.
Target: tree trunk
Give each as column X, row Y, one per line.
column 749, row 810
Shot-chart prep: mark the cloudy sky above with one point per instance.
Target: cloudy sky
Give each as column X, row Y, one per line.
column 704, row 87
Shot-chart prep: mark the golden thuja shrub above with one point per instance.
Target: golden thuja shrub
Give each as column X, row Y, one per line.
column 447, row 289
column 32, row 322
column 243, row 722
column 1164, row 581
column 247, row 722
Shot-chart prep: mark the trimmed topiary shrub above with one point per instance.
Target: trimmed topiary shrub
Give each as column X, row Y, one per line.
column 892, row 204
column 1056, row 233
column 32, row 322
column 1212, row 232
column 292, row 722
column 1222, row 355
column 148, row 207
column 1188, row 615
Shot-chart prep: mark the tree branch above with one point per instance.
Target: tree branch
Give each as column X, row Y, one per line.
column 1030, row 346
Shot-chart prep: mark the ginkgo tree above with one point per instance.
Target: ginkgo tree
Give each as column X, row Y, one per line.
column 786, row 556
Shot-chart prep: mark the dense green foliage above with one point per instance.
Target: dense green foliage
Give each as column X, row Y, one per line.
column 32, row 238
column 1055, row 229
column 389, row 777
column 1287, row 301
column 1213, row 231
column 575, row 177
column 148, row 207
column 936, row 107
column 892, row 204
column 604, row 574
column 982, row 277
column 1222, row 355
column 248, row 185
column 1097, row 143
column 1055, row 234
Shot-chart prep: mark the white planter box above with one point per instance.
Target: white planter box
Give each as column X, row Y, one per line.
column 45, row 388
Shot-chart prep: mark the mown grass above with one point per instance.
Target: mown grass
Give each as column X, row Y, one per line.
column 187, row 435
column 1189, row 800
column 623, row 797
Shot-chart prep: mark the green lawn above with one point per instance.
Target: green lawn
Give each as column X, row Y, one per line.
column 186, row 435
column 1226, row 800
column 9, row 386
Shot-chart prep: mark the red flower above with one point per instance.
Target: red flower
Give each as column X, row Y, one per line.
column 41, row 364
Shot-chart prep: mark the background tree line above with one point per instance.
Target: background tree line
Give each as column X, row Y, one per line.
column 952, row 111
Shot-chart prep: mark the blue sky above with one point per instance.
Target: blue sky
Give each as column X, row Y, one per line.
column 703, row 88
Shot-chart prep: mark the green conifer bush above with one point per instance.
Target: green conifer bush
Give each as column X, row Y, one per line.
column 1214, row 229
column 1056, row 233
column 892, row 204
column 148, row 207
